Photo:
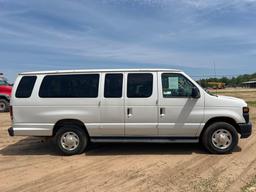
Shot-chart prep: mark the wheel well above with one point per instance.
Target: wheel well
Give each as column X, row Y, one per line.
column 220, row 119
column 4, row 97
column 63, row 122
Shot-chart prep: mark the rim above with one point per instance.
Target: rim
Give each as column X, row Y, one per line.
column 70, row 141
column 2, row 106
column 221, row 139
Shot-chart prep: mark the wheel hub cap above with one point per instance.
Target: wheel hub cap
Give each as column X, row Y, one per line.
column 222, row 139
column 2, row 106
column 69, row 141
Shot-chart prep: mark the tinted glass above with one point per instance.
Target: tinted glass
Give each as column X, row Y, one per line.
column 25, row 87
column 2, row 82
column 176, row 85
column 61, row 86
column 139, row 85
column 113, row 85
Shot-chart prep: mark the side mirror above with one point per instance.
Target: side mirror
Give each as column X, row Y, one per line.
column 195, row 93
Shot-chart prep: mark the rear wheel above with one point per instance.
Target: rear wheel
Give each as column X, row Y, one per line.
column 4, row 105
column 220, row 138
column 71, row 140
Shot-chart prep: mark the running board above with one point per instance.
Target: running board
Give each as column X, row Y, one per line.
column 144, row 139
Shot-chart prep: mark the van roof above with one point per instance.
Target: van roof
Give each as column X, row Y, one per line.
column 99, row 70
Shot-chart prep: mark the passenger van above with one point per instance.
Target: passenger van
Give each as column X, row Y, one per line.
column 125, row 105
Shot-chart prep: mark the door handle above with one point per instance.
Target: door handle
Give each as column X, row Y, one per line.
column 129, row 112
column 162, row 112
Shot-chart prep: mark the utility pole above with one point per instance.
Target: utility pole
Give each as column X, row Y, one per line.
column 215, row 75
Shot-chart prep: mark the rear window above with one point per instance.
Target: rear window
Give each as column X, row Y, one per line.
column 25, row 87
column 63, row 86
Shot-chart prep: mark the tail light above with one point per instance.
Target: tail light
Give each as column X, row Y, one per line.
column 11, row 112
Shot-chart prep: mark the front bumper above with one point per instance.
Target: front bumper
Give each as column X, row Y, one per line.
column 11, row 131
column 245, row 129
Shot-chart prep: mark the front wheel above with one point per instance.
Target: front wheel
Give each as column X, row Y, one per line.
column 220, row 138
column 71, row 140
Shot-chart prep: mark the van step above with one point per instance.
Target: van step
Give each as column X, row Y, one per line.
column 144, row 139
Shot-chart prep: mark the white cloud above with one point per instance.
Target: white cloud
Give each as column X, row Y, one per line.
column 175, row 35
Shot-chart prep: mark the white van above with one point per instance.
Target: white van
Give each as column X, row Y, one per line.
column 125, row 105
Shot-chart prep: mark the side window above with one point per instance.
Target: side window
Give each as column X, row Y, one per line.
column 113, row 85
column 25, row 87
column 2, row 82
column 139, row 85
column 70, row 86
column 176, row 85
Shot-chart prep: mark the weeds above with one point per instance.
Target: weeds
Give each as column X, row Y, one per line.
column 250, row 187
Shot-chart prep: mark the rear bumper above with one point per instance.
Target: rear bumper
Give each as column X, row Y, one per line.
column 30, row 130
column 245, row 129
column 11, row 131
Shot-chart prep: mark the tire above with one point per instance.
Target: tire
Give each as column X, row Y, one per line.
column 220, row 138
column 71, row 140
column 4, row 105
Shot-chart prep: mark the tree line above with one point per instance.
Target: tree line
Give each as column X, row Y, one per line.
column 229, row 82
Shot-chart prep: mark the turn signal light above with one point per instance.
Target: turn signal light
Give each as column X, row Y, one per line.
column 246, row 109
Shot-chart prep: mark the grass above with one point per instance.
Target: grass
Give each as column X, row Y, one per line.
column 252, row 103
column 227, row 91
column 250, row 187
column 207, row 185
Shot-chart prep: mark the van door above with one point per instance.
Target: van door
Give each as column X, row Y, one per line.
column 112, row 105
column 179, row 113
column 141, row 116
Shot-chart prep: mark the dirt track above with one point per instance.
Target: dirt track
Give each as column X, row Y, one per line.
column 27, row 164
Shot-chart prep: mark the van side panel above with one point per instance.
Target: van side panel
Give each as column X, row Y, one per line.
column 143, row 117
column 37, row 116
column 183, row 116
column 111, row 112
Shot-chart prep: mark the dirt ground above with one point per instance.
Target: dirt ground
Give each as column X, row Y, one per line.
column 30, row 164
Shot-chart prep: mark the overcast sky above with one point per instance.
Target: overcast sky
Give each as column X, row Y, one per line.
column 70, row 34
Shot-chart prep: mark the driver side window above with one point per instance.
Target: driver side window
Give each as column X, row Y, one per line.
column 176, row 85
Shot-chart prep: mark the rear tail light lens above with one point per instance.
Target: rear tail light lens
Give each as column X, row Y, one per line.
column 11, row 112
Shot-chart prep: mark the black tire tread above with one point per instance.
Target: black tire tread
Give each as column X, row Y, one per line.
column 206, row 137
column 81, row 134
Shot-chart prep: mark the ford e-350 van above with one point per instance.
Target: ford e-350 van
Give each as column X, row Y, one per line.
column 135, row 105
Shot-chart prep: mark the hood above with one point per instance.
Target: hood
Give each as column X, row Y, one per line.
column 226, row 101
column 5, row 90
column 230, row 98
